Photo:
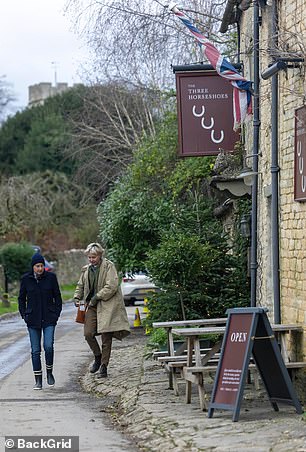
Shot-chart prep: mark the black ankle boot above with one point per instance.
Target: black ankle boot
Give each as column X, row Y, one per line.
column 103, row 371
column 38, row 382
column 96, row 364
column 50, row 377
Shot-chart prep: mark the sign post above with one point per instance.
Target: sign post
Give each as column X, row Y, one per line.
column 249, row 333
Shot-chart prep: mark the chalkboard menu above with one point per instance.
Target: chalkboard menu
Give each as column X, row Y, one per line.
column 249, row 333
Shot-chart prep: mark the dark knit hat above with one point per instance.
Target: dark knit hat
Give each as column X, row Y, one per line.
column 37, row 259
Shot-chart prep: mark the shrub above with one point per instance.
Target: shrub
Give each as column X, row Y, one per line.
column 157, row 339
column 195, row 266
column 15, row 258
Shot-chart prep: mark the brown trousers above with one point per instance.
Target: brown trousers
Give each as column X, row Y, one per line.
column 90, row 333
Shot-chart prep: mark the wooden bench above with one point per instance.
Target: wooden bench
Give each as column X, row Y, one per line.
column 178, row 366
column 159, row 353
column 175, row 365
column 166, row 358
column 181, row 366
column 294, row 366
column 195, row 374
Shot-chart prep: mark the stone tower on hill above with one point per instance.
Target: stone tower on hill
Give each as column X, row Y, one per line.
column 41, row 91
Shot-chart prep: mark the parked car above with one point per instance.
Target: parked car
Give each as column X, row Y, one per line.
column 135, row 287
column 49, row 267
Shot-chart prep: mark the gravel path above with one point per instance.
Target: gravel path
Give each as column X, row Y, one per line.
column 157, row 420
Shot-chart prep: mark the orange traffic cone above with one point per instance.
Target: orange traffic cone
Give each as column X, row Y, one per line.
column 137, row 321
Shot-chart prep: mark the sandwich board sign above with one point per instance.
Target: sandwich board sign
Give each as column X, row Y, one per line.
column 249, row 333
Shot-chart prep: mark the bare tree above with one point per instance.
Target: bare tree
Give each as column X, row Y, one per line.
column 112, row 123
column 6, row 97
column 35, row 202
column 134, row 44
column 138, row 40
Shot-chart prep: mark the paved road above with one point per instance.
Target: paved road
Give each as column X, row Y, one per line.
column 62, row 410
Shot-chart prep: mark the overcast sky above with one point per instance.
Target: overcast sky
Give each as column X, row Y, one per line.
column 33, row 34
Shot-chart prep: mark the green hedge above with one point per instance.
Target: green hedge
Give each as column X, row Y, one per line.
column 16, row 259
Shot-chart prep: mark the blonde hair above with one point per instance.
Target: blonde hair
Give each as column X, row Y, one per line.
column 94, row 248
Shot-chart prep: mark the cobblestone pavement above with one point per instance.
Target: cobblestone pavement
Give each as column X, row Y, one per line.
column 157, row 420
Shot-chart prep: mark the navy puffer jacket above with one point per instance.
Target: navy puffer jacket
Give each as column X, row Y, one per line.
column 40, row 301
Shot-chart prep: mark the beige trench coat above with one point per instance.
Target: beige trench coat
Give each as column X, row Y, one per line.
column 111, row 312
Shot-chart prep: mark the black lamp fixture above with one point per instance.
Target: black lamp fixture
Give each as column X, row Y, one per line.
column 281, row 64
column 247, row 173
column 245, row 225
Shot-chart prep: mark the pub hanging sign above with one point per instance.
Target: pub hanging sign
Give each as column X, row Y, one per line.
column 300, row 155
column 205, row 113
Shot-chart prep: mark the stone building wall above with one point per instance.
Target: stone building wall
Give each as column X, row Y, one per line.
column 69, row 264
column 292, row 214
column 41, row 91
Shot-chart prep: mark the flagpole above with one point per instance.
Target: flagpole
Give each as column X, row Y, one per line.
column 242, row 102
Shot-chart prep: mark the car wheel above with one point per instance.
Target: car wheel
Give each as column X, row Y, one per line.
column 129, row 302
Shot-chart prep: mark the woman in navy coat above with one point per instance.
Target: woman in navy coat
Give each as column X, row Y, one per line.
column 40, row 305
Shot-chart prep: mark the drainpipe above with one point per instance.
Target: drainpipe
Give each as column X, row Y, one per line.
column 256, row 128
column 274, row 176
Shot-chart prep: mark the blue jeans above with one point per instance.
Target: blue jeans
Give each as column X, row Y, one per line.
column 48, row 342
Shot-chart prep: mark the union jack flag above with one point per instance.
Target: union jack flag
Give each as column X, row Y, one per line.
column 242, row 97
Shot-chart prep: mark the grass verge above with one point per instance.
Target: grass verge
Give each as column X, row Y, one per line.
column 13, row 307
column 67, row 291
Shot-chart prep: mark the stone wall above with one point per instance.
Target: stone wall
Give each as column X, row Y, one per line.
column 69, row 264
column 292, row 214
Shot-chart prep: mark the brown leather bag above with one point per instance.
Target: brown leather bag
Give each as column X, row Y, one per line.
column 80, row 316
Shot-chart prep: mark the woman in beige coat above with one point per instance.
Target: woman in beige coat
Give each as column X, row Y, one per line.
column 106, row 315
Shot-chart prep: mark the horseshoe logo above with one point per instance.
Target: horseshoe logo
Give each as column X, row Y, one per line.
column 208, row 127
column 198, row 115
column 211, row 123
column 214, row 139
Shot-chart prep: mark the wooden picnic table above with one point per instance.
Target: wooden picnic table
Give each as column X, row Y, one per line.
column 194, row 358
column 193, row 335
column 185, row 323
column 168, row 326
column 280, row 331
column 193, row 349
